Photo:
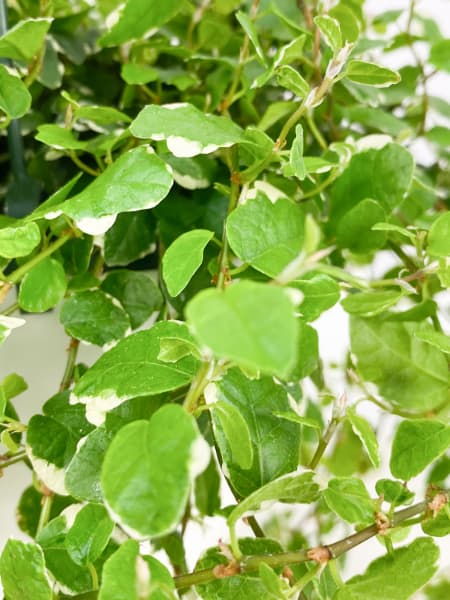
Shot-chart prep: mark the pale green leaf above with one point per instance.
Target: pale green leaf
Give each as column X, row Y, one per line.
column 43, row 287
column 127, row 574
column 369, row 304
column 94, row 317
column 395, row 576
column 7, row 324
column 187, row 130
column 416, row 444
column 183, row 258
column 15, row 99
column 132, row 369
column 434, row 338
column 149, row 468
column 58, row 137
column 320, row 292
column 295, row 489
column 394, row 492
column 23, row 41
column 135, row 74
column 438, row 236
column 249, row 27
column 136, row 19
column 236, row 432
column 137, row 180
column 366, row 434
column 290, row 78
column 173, row 349
column 331, row 31
column 19, row 240
column 440, row 55
column 350, row 500
column 409, row 372
column 394, row 228
column 368, row 73
column 89, row 534
column 250, row 323
column 266, row 235
column 296, row 156
column 294, row 418
column 22, row 571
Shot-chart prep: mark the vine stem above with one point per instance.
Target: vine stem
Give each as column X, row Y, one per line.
column 198, row 385
column 326, row 438
column 319, row 554
column 70, row 365
column 45, row 511
column 17, row 275
column 13, row 460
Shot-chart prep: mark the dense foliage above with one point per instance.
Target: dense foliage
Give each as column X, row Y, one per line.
column 190, row 185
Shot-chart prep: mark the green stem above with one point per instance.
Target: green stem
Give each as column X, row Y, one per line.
column 315, row 131
column 222, row 275
column 22, row 455
column 17, row 275
column 303, row 581
column 82, row 165
column 11, row 309
column 198, row 385
column 94, row 576
column 45, row 512
column 329, row 432
column 251, row 563
column 328, row 181
column 70, row 365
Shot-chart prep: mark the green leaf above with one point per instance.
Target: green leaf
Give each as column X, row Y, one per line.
column 43, row 287
column 243, row 586
column 294, row 418
column 364, row 431
column 416, row 444
column 196, row 173
column 320, row 292
column 275, row 586
column 294, row 489
column 439, row 525
column 135, row 74
column 50, row 440
column 396, row 575
column 132, row 369
column 19, row 240
column 12, row 385
column 82, row 478
column 75, row 578
column 15, row 99
column 7, row 324
column 369, row 304
column 296, row 156
column 350, row 500
column 103, row 115
column 131, row 237
column 266, row 235
column 187, row 130
column 94, row 317
column 290, row 78
column 275, row 442
column 434, row 338
column 136, row 19
column 395, row 228
column 440, row 55
column 183, row 258
column 355, row 229
column 128, row 575
column 136, row 292
column 367, row 73
column 22, row 570
column 135, row 181
column 438, row 236
column 89, row 534
column 23, row 41
column 382, row 175
column 250, row 29
column 207, row 490
column 308, row 352
column 58, row 137
column 172, row 349
column 350, row 25
column 409, row 373
column 250, row 323
column 149, row 468
column 71, row 416
column 394, row 492
column 236, row 432
column 331, row 31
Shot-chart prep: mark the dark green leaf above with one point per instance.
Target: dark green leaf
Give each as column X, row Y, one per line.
column 89, row 534
column 131, row 237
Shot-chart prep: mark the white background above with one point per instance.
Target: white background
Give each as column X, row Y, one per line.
column 37, row 351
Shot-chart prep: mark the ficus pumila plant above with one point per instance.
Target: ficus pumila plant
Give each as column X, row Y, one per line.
column 189, row 185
